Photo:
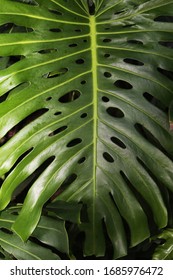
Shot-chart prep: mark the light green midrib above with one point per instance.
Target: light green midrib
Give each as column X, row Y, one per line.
column 95, row 108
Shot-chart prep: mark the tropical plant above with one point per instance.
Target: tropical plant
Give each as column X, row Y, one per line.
column 85, row 92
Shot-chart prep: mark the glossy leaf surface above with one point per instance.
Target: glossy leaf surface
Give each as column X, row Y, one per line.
column 84, row 113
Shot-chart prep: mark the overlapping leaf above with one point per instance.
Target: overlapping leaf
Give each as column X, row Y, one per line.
column 49, row 232
column 83, row 113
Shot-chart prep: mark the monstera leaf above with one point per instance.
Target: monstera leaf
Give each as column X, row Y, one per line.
column 85, row 89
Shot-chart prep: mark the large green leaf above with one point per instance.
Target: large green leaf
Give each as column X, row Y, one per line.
column 83, row 113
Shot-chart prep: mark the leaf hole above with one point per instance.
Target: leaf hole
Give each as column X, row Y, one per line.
column 118, row 142
column 115, row 112
column 164, row 19
column 78, row 30
column 155, row 102
column 82, row 160
column 57, row 113
column 25, row 154
column 144, row 204
column 107, row 55
column 55, row 30
column 168, row 74
column 70, row 96
column 72, row 45
column 15, row 213
column 107, row 74
column 15, row 129
column 135, row 42
column 84, row 115
column 80, row 61
column 14, row 59
column 123, row 84
column 151, row 138
column 47, row 51
column 4, row 97
column 5, row 230
column 85, row 41
column 48, row 98
column 59, row 130
column 167, row 44
column 67, row 182
column 105, row 99
column 20, row 193
column 83, row 82
column 107, row 40
column 55, row 73
column 108, row 157
column 133, row 62
column 74, row 142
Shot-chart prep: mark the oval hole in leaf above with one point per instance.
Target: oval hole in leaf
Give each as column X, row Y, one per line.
column 123, row 84
column 72, row 45
column 105, row 99
column 115, row 112
column 55, row 73
column 70, row 96
column 57, row 113
column 107, row 40
column 55, row 30
column 155, row 102
column 84, row 115
column 48, row 98
column 47, row 51
column 107, row 55
column 80, row 61
column 118, row 142
column 83, row 82
column 59, row 130
column 164, row 19
column 138, row 42
column 107, row 74
column 82, row 160
column 74, row 142
column 133, row 61
column 167, row 44
column 167, row 73
column 5, row 230
column 108, row 157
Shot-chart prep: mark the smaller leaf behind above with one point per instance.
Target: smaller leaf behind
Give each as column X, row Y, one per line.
column 49, row 234
column 165, row 250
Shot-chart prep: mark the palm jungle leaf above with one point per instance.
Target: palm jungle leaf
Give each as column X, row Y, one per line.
column 85, row 88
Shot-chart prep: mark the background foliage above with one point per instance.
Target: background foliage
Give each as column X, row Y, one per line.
column 85, row 128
